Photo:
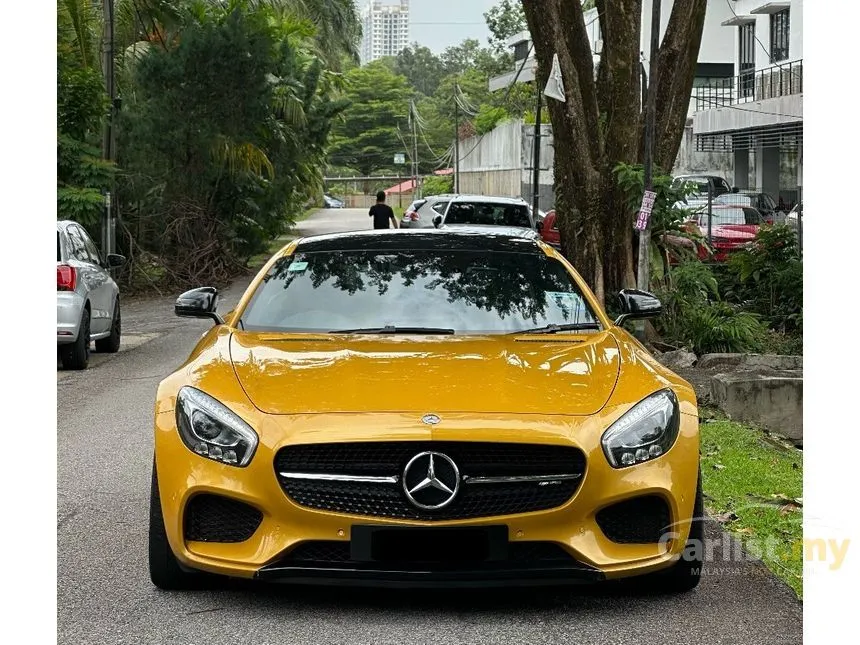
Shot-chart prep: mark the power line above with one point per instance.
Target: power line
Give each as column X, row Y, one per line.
column 507, row 94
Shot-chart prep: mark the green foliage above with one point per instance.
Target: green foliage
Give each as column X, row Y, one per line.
column 421, row 67
column 489, row 117
column 668, row 233
column 367, row 138
column 695, row 316
column 222, row 140
column 768, row 278
column 504, row 20
column 438, row 185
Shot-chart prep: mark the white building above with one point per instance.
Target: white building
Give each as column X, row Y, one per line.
column 757, row 118
column 715, row 61
column 386, row 29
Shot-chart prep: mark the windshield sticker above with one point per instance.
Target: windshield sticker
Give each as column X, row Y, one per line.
column 297, row 266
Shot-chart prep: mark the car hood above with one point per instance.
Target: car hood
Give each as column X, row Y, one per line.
column 524, row 374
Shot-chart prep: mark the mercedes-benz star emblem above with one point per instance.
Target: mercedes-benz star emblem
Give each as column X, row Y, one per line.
column 431, row 480
column 430, row 419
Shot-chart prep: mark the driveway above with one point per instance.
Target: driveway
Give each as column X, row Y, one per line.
column 104, row 595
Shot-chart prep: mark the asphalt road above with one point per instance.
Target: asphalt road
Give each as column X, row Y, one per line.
column 104, row 595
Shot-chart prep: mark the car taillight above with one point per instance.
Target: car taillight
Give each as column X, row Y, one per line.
column 411, row 216
column 67, row 278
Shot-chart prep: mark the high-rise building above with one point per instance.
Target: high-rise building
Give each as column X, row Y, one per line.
column 386, row 29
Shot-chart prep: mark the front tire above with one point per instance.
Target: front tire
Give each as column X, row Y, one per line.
column 110, row 345
column 164, row 569
column 76, row 356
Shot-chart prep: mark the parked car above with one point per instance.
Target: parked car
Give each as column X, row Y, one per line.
column 280, row 454
column 331, row 202
column 762, row 202
column 731, row 228
column 791, row 219
column 717, row 184
column 87, row 297
column 485, row 210
column 549, row 230
column 421, row 212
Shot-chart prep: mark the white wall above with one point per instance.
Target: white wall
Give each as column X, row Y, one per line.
column 762, row 32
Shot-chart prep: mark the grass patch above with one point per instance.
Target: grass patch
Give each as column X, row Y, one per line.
column 753, row 485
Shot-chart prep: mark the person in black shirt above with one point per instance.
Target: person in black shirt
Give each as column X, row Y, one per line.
column 382, row 213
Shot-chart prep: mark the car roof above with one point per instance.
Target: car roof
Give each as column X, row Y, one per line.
column 492, row 199
column 462, row 238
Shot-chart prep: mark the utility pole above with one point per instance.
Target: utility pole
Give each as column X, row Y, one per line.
column 415, row 190
column 456, row 142
column 109, row 138
column 644, row 274
column 536, row 177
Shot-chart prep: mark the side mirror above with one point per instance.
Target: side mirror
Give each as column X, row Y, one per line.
column 198, row 303
column 437, row 221
column 636, row 305
column 115, row 261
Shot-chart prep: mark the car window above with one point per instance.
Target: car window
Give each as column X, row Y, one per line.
column 488, row 214
column 722, row 187
column 752, row 216
column 439, row 207
column 78, row 249
column 92, row 249
column 418, row 203
column 472, row 292
column 59, row 248
column 723, row 216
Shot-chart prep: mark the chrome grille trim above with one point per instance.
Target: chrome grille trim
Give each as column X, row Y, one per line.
column 331, row 477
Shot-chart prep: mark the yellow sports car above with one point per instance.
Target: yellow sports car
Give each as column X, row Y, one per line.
column 423, row 408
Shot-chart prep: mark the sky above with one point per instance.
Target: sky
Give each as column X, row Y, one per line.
column 438, row 24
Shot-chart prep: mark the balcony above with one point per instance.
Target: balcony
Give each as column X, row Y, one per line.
column 785, row 79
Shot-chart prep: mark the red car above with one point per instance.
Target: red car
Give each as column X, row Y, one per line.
column 549, row 230
column 731, row 228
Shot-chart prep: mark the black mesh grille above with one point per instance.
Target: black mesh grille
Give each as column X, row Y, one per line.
column 641, row 520
column 339, row 551
column 212, row 518
column 474, row 459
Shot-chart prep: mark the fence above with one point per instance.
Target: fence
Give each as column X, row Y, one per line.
column 785, row 79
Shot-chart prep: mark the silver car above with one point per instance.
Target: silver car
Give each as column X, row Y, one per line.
column 87, row 297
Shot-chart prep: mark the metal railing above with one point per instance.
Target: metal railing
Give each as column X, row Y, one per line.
column 784, row 79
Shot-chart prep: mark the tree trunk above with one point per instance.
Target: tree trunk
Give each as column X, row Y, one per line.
column 600, row 122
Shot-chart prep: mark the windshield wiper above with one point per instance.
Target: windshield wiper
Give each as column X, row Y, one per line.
column 552, row 329
column 391, row 329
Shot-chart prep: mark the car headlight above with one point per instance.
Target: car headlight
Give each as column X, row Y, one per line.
column 212, row 430
column 645, row 431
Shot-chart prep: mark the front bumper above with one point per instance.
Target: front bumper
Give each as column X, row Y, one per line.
column 70, row 305
column 285, row 526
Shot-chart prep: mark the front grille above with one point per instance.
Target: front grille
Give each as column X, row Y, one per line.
column 387, row 459
column 338, row 551
column 641, row 520
column 212, row 518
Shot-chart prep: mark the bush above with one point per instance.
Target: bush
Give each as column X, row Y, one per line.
column 437, row 185
column 695, row 316
column 767, row 278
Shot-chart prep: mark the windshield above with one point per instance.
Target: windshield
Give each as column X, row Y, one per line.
column 471, row 292
column 489, row 214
